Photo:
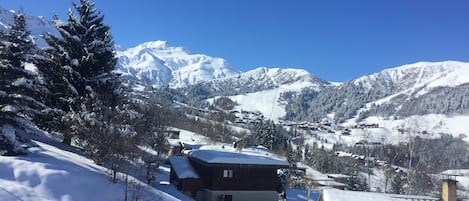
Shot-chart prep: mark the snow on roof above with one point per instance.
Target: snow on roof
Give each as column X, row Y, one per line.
column 183, row 168
column 302, row 195
column 174, row 142
column 338, row 176
column 330, row 194
column 223, row 157
column 460, row 175
column 330, row 183
column 457, row 172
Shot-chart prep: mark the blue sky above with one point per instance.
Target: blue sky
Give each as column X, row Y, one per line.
column 335, row 40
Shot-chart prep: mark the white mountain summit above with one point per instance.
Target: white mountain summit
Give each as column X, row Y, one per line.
column 37, row 25
column 156, row 63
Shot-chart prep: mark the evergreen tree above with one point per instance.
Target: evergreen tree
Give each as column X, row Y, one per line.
column 82, row 59
column 107, row 134
column 397, row 184
column 20, row 92
column 264, row 132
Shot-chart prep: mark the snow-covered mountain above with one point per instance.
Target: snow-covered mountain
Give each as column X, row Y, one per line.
column 266, row 90
column 419, row 77
column 415, row 89
column 37, row 25
column 260, row 79
column 420, row 88
column 286, row 83
column 156, row 63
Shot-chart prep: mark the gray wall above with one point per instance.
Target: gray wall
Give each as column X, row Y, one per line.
column 209, row 195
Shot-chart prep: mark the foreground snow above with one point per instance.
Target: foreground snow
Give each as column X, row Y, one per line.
column 49, row 173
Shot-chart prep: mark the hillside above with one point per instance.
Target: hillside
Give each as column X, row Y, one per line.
column 415, row 89
column 49, row 173
column 266, row 90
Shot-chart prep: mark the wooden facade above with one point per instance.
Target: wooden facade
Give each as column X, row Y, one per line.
column 188, row 185
column 215, row 175
column 245, row 177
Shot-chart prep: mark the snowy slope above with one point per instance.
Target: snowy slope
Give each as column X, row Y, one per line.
column 51, row 174
column 414, row 80
column 269, row 102
column 409, row 87
column 37, row 25
column 260, row 89
column 433, row 124
column 261, row 79
column 435, row 93
column 156, row 63
column 420, row 76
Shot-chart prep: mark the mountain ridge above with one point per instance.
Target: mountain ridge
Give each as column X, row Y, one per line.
column 394, row 92
column 389, row 91
column 158, row 64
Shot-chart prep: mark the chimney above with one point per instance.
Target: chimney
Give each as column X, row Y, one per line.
column 448, row 189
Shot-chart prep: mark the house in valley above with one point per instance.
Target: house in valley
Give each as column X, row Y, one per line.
column 229, row 176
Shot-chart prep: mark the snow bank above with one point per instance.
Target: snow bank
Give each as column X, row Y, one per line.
column 49, row 173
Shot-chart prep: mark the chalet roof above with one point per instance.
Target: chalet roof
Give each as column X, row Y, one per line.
column 174, row 142
column 183, row 168
column 338, row 176
column 215, row 157
column 329, row 182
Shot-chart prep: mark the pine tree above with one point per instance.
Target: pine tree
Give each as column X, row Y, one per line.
column 82, row 59
column 264, row 132
column 20, row 91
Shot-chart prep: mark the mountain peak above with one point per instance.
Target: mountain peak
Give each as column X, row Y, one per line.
column 420, row 74
column 37, row 25
column 157, row 63
column 158, row 44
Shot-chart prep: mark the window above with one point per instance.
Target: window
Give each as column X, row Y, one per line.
column 226, row 197
column 227, row 173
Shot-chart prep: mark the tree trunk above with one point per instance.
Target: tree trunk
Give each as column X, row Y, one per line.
column 67, row 139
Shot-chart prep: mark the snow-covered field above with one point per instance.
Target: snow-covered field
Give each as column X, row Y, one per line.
column 427, row 126
column 49, row 173
column 433, row 124
column 267, row 102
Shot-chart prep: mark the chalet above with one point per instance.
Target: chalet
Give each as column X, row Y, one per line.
column 361, row 126
column 227, row 176
column 183, row 175
column 171, row 134
column 339, row 177
column 175, row 145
